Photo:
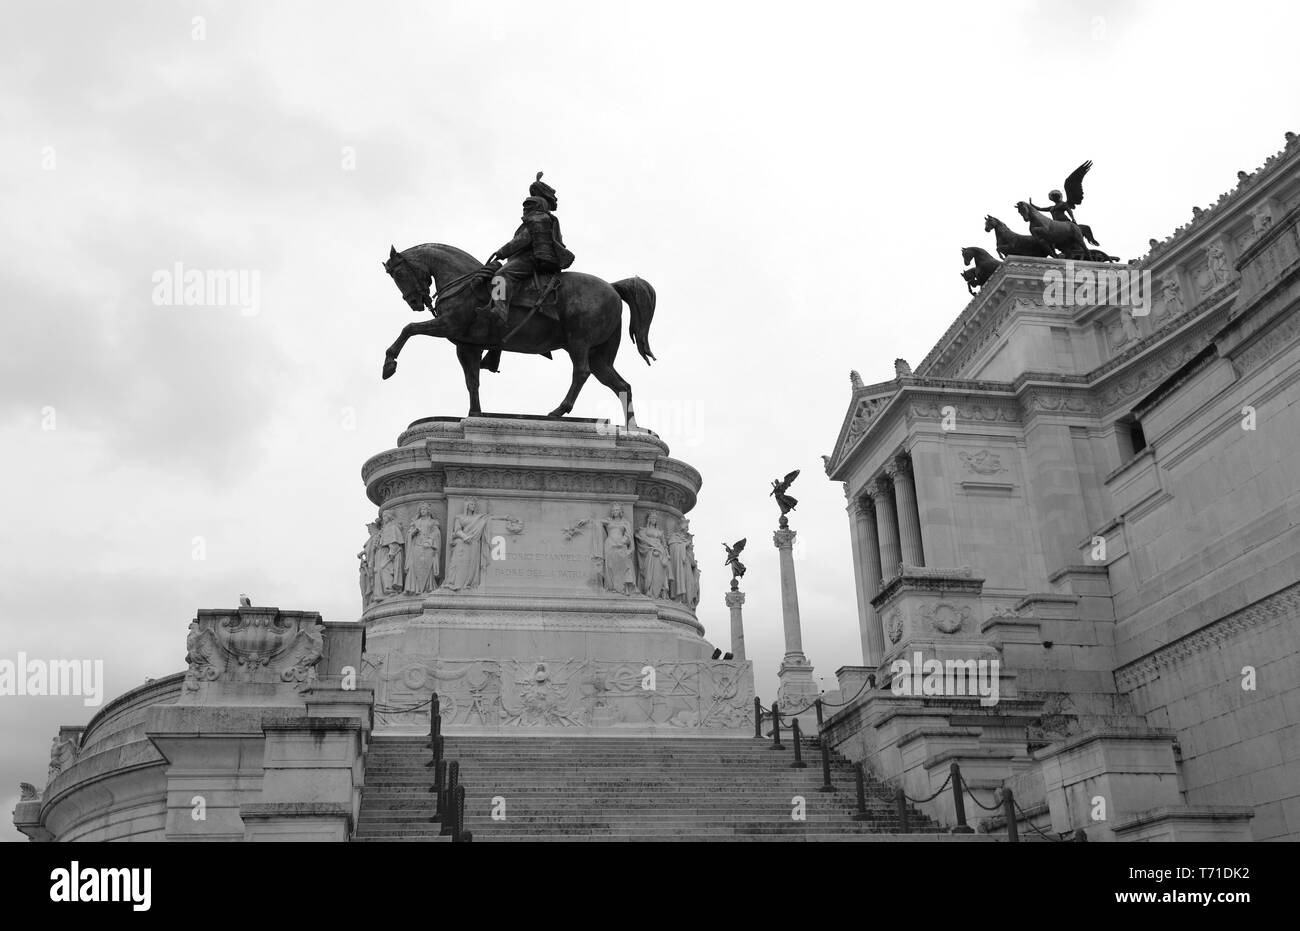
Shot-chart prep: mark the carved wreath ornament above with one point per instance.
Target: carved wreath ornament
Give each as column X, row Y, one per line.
column 945, row 617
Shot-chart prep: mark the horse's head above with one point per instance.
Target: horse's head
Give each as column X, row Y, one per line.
column 967, row 254
column 991, row 223
column 411, row 279
column 1022, row 207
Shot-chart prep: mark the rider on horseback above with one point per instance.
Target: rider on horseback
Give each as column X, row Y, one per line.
column 536, row 248
column 1062, row 209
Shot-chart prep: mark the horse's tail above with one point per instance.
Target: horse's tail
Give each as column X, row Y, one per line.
column 640, row 297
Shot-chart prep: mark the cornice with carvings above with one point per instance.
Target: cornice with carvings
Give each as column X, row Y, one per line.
column 1284, row 604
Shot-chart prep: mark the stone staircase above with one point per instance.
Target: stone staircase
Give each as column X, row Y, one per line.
column 626, row 788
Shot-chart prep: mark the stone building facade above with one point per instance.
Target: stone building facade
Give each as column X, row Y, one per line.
column 1092, row 479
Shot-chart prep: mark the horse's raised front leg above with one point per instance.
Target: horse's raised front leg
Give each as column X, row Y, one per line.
column 581, row 371
column 433, row 327
column 470, row 359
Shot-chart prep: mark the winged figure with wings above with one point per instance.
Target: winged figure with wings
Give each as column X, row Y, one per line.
column 779, row 486
column 733, row 558
column 1063, row 205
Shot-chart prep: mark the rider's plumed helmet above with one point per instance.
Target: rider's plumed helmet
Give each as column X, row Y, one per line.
column 540, row 188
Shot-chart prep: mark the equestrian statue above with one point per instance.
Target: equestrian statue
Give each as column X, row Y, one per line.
column 529, row 304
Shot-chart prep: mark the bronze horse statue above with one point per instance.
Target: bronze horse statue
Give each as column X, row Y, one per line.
column 1010, row 243
column 1061, row 235
column 985, row 266
column 589, row 326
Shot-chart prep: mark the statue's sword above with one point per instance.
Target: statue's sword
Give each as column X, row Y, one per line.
column 550, row 286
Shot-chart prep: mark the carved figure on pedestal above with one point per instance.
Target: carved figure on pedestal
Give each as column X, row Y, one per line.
column 652, row 558
column 366, row 564
column 1217, row 261
column 1172, row 292
column 682, row 569
column 468, row 555
column 423, row 549
column 391, row 547
column 62, row 752
column 619, row 572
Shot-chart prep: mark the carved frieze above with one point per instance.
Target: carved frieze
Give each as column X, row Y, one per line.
column 982, row 462
column 1281, row 334
column 1280, row 606
column 560, row 693
column 409, row 483
column 1150, row 374
column 966, row 410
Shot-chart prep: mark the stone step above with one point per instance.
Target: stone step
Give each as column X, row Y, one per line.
column 733, row 838
column 646, row 829
column 650, row 789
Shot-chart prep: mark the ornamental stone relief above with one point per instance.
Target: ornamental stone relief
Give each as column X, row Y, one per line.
column 894, row 626
column 559, row 693
column 946, row 617
column 411, row 483
column 862, row 416
column 253, row 645
column 1152, row 374
column 983, row 413
column 982, row 462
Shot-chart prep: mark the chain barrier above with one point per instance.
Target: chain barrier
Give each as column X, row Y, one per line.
column 840, row 704
column 996, row 806
column 1055, row 840
column 389, row 709
column 930, row 798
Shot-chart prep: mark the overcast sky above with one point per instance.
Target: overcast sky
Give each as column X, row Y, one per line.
column 795, row 180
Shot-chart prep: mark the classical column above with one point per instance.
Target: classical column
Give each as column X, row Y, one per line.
column 735, row 598
column 882, row 497
column 909, row 521
column 868, row 564
column 797, row 687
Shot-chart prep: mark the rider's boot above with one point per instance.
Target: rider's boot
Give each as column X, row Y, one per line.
column 500, row 311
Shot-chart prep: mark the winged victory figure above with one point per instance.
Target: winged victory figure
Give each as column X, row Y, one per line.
column 1063, row 204
column 733, row 558
column 784, row 501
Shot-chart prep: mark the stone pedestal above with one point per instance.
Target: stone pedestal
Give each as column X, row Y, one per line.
column 798, row 688
column 541, row 622
column 735, row 599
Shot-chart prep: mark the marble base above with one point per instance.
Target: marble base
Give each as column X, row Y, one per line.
column 538, row 644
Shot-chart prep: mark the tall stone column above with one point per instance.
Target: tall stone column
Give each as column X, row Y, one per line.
column 868, row 564
column 882, row 497
column 909, row 522
column 735, row 598
column 797, row 687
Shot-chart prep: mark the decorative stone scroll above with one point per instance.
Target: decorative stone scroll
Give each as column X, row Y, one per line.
column 257, row 646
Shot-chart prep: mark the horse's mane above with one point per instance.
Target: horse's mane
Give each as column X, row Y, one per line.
column 451, row 253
